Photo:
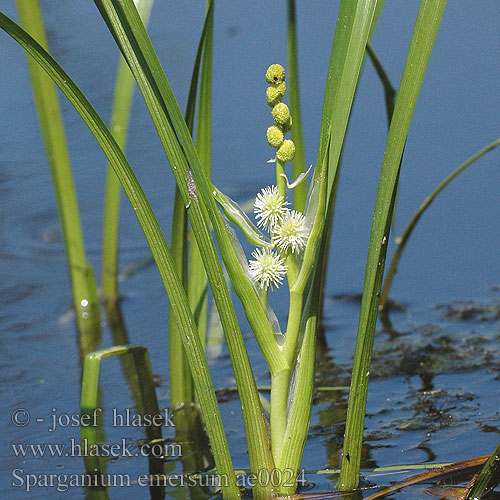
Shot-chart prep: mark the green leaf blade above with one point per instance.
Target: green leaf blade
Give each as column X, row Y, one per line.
column 424, row 35
column 52, row 129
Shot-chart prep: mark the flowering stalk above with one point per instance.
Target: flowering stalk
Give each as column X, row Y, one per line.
column 291, row 247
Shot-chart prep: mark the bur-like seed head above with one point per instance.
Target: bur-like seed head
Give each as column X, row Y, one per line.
column 281, row 88
column 269, row 207
column 290, row 233
column 286, row 127
column 268, row 268
column 273, row 96
column 274, row 137
column 275, row 74
column 286, row 151
column 281, row 113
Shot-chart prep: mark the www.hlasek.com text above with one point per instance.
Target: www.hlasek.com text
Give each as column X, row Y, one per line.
column 123, row 448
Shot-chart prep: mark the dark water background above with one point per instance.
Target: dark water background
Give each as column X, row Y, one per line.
column 453, row 258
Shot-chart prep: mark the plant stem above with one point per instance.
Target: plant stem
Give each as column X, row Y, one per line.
column 278, row 414
column 293, row 325
column 301, row 404
column 308, row 264
column 280, row 180
column 90, row 399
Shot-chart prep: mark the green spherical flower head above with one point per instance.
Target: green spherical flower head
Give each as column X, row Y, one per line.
column 281, row 88
column 274, row 137
column 273, row 96
column 281, row 113
column 286, row 152
column 286, row 127
column 275, row 74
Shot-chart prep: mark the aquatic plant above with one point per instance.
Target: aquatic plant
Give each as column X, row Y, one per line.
column 295, row 248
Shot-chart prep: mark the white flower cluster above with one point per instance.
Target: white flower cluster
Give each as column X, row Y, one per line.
column 268, row 268
column 288, row 233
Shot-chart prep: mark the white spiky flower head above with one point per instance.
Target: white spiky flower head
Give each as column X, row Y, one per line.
column 268, row 268
column 291, row 233
column 269, row 207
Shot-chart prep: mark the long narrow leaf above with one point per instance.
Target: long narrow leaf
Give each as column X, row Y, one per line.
column 405, row 236
column 424, row 35
column 85, row 300
column 355, row 25
column 389, row 90
column 299, row 162
column 156, row 241
column 353, row 28
column 120, row 116
column 180, row 375
column 126, row 27
column 197, row 282
column 489, row 477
